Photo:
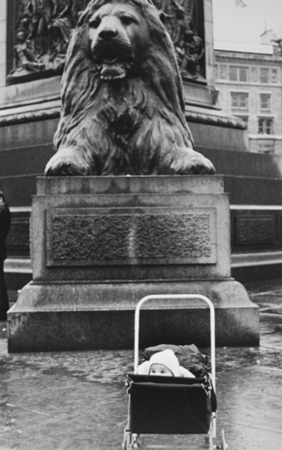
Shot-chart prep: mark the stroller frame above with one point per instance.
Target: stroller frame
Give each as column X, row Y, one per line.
column 139, row 384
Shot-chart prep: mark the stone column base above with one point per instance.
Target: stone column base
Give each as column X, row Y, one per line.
column 87, row 316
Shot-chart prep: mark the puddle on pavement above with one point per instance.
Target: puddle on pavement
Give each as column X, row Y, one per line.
column 63, row 401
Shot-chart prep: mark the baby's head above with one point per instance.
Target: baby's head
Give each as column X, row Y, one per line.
column 164, row 363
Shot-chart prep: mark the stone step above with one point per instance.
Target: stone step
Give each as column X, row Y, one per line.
column 242, row 163
column 253, row 190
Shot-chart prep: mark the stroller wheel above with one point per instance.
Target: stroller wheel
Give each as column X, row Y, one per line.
column 135, row 441
column 126, row 440
column 224, row 445
column 130, row 441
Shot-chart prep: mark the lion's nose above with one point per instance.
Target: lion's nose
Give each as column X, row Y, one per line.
column 108, row 34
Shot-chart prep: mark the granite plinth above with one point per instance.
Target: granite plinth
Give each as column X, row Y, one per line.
column 87, row 316
column 99, row 244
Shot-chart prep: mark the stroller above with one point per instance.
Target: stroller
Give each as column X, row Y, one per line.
column 172, row 405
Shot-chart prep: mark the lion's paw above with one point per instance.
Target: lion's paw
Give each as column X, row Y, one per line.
column 67, row 162
column 192, row 163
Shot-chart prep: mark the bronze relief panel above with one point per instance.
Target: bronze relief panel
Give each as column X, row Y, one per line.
column 40, row 32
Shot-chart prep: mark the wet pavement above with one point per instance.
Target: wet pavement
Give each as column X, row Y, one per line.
column 78, row 401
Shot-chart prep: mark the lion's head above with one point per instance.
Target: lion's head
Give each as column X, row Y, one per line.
column 115, row 39
column 118, row 34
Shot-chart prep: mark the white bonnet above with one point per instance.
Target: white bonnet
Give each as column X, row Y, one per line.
column 168, row 359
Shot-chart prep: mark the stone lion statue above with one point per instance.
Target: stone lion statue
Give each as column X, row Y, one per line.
column 122, row 98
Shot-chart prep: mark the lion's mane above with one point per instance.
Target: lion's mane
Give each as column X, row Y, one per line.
column 132, row 126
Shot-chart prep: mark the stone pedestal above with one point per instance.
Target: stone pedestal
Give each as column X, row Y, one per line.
column 99, row 244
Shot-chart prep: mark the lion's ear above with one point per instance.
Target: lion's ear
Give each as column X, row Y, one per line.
column 162, row 17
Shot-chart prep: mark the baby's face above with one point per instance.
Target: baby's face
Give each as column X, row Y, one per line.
column 160, row 370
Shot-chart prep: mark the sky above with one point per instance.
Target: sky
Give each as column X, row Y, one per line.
column 246, row 24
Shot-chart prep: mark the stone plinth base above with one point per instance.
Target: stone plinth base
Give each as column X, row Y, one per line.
column 58, row 317
column 100, row 244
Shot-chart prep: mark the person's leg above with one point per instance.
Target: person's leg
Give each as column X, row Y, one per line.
column 4, row 301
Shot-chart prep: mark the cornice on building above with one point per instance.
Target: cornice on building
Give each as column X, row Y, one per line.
column 242, row 56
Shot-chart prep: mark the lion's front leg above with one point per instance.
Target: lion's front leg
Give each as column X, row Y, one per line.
column 69, row 161
column 186, row 161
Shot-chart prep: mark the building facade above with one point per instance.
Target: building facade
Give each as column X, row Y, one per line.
column 249, row 81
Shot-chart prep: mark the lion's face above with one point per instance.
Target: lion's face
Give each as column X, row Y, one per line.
column 118, row 36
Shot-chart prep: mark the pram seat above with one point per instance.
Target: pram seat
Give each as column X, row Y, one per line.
column 170, row 405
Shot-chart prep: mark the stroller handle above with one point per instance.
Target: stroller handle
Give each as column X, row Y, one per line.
column 175, row 296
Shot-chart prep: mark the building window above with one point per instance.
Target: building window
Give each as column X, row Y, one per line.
column 233, row 73
column 264, row 75
column 265, row 125
column 239, row 100
column 254, row 74
column 243, row 74
column 274, row 76
column 265, row 102
column 222, row 72
column 238, row 73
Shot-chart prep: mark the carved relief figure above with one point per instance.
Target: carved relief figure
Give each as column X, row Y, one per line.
column 122, row 98
column 189, row 51
column 25, row 58
column 60, row 26
column 40, row 16
column 180, row 25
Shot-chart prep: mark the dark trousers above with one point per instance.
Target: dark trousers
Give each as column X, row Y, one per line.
column 4, row 301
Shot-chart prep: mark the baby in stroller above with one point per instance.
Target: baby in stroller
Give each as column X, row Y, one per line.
column 164, row 363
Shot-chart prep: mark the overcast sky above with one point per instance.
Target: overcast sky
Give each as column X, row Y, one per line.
column 246, row 24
